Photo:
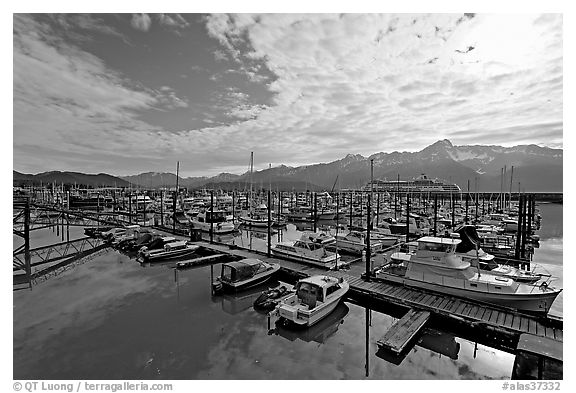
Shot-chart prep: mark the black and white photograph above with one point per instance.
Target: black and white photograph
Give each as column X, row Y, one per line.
column 301, row 194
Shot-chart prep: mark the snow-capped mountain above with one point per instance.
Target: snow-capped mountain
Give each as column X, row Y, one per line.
column 535, row 168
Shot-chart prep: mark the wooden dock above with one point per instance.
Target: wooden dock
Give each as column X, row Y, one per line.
column 404, row 330
column 481, row 315
column 497, row 320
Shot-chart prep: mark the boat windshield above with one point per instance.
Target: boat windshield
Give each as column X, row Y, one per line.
column 227, row 272
column 307, row 291
column 436, row 247
column 216, row 217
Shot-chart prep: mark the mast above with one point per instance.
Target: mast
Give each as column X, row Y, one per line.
column 510, row 194
column 251, row 169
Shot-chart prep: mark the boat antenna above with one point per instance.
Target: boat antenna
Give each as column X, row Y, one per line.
column 477, row 259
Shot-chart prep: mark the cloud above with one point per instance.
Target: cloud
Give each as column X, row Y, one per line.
column 174, row 21
column 352, row 83
column 141, row 22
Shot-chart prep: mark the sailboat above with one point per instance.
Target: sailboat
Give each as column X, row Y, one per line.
column 254, row 218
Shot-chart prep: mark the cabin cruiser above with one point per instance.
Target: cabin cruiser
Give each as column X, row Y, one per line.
column 215, row 220
column 315, row 298
column 171, row 250
column 384, row 236
column 436, row 266
column 309, row 250
column 244, row 274
column 355, row 242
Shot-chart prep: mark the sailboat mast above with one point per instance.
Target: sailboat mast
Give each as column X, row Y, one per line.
column 251, row 169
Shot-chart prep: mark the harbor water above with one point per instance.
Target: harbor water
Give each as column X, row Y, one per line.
column 112, row 318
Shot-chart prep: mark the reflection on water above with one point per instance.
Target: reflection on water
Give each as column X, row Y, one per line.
column 319, row 332
column 112, row 319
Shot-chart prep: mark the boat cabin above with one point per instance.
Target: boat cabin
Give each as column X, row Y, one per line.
column 429, row 244
column 308, row 245
column 316, row 289
column 212, row 217
column 243, row 270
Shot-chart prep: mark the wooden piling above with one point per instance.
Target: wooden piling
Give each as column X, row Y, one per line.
column 269, row 249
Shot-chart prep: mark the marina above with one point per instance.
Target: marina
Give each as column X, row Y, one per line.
column 287, row 197
column 416, row 310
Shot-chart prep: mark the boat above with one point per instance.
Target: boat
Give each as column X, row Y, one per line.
column 216, row 220
column 300, row 213
column 471, row 252
column 355, row 242
column 268, row 300
column 421, row 184
column 307, row 250
column 384, row 236
column 172, row 250
column 315, row 298
column 319, row 332
column 435, row 266
column 244, row 274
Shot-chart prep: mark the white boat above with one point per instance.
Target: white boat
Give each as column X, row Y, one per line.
column 244, row 274
column 175, row 249
column 355, row 242
column 216, row 220
column 315, row 298
column 300, row 213
column 435, row 266
column 253, row 220
column 308, row 251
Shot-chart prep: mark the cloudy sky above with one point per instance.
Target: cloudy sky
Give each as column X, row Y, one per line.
column 130, row 93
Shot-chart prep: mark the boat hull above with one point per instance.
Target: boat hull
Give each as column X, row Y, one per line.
column 534, row 303
column 169, row 255
column 327, row 262
column 314, row 317
column 252, row 282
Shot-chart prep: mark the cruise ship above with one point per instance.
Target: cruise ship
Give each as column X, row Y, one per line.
column 421, row 183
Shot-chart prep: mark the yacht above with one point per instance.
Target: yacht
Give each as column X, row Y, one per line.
column 217, row 220
column 355, row 242
column 308, row 250
column 436, row 266
column 315, row 298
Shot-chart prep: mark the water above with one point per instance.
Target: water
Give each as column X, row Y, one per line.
column 111, row 318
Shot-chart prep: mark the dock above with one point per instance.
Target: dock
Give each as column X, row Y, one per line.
column 479, row 315
column 404, row 330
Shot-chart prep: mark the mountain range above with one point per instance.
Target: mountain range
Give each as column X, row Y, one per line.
column 537, row 169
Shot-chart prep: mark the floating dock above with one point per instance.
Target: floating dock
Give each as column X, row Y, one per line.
column 404, row 330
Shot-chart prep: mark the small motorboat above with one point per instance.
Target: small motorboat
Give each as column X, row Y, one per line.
column 243, row 274
column 176, row 249
column 268, row 300
column 314, row 299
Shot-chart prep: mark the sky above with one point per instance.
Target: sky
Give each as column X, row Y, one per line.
column 131, row 93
